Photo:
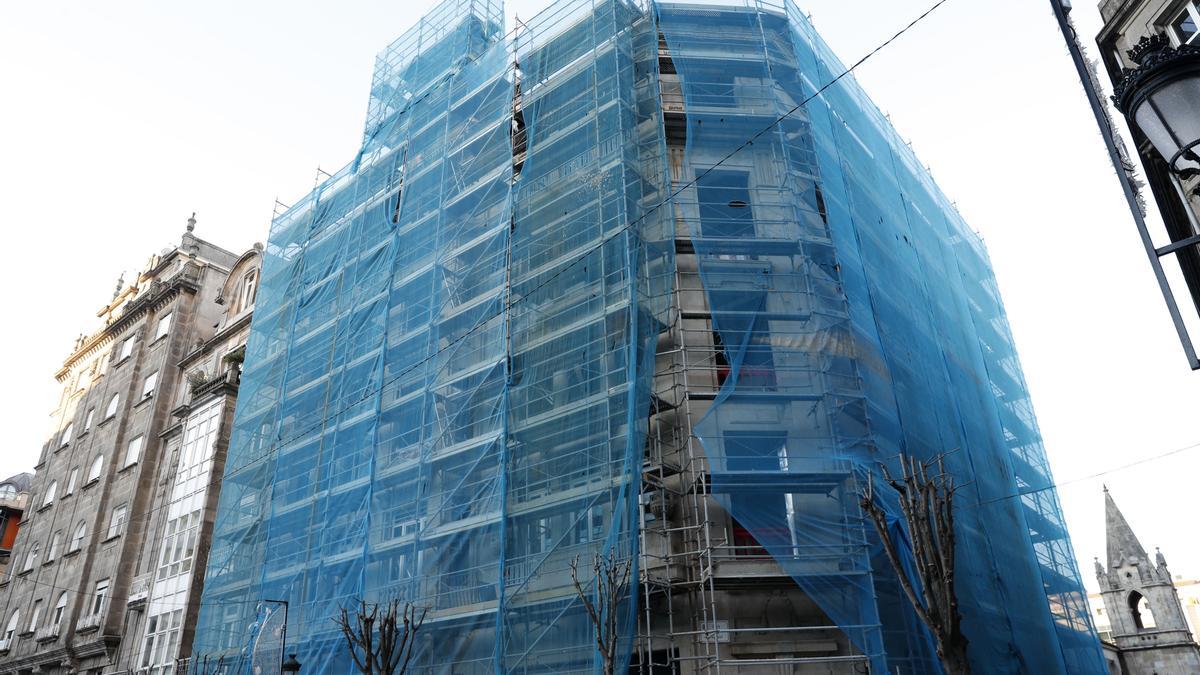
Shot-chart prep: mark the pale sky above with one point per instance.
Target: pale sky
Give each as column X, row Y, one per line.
column 119, row 119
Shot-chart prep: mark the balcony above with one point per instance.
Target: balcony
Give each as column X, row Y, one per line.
column 90, row 622
column 203, row 386
column 48, row 633
column 139, row 591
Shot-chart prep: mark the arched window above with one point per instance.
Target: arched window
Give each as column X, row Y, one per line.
column 32, row 557
column 111, row 410
column 77, row 538
column 36, row 618
column 97, row 466
column 11, row 629
column 1143, row 617
column 55, row 546
column 59, row 608
column 247, row 291
column 51, row 492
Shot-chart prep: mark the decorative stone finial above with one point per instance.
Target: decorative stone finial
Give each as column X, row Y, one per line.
column 1159, row 558
column 1099, row 567
column 1148, row 45
column 120, row 285
column 191, row 222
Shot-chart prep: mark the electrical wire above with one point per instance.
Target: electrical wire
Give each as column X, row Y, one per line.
column 508, row 306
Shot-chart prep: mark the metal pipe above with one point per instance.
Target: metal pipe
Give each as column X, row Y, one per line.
column 1061, row 10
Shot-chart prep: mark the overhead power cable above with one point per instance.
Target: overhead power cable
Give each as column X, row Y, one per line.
column 320, row 423
column 555, row 275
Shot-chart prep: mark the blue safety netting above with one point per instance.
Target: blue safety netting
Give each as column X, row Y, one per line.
column 451, row 364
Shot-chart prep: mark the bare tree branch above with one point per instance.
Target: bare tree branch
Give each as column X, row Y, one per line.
column 385, row 636
column 925, row 493
column 611, row 578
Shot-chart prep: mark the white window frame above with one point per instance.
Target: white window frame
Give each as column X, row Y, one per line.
column 133, row 450
column 32, row 556
column 114, row 404
column 60, row 608
column 72, row 481
column 13, row 622
column 248, row 292
column 51, row 493
column 65, row 440
column 163, row 326
column 87, row 421
column 126, row 348
column 100, row 596
column 96, row 468
column 117, row 519
column 78, row 536
column 149, row 384
column 55, row 545
column 1192, row 8
column 36, row 618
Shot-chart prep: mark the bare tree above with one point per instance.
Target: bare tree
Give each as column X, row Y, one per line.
column 926, row 494
column 603, row 603
column 381, row 637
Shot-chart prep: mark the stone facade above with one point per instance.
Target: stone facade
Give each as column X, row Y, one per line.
column 1149, row 631
column 106, row 478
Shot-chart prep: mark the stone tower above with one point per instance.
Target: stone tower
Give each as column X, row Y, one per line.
column 1148, row 625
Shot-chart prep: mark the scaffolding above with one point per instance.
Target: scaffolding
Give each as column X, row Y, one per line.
column 621, row 283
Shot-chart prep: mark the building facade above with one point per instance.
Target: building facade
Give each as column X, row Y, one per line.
column 640, row 282
column 125, row 487
column 1124, row 41
column 14, row 497
column 1148, row 629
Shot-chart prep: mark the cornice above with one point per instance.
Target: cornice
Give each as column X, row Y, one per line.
column 159, row 293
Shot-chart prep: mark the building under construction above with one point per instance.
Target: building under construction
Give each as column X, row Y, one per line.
column 638, row 279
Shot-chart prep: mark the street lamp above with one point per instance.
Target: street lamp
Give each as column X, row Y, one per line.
column 291, row 665
column 1162, row 97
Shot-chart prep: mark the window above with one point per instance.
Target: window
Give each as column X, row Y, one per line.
column 162, row 638
column 248, row 291
column 99, row 596
column 164, row 325
column 111, row 411
column 11, row 629
column 149, row 384
column 77, row 538
column 1186, row 25
column 66, row 435
column 60, row 608
column 94, row 471
column 126, row 348
column 133, row 451
column 36, row 616
column 55, row 545
column 72, row 481
column 724, row 200
column 51, row 492
column 8, row 491
column 87, row 421
column 116, row 521
column 32, row 557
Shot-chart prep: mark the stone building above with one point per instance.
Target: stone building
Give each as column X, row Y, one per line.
column 119, row 515
column 1148, row 632
column 14, row 494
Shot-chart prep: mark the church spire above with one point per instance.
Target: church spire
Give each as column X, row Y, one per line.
column 1123, row 545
